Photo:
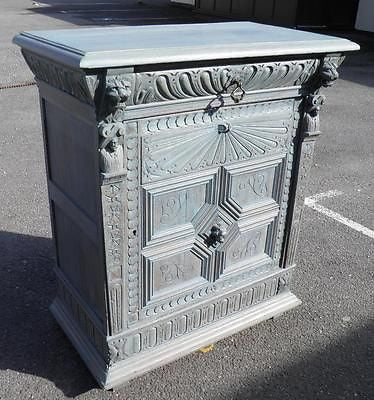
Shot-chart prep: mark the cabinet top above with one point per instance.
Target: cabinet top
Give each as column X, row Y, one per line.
column 140, row 45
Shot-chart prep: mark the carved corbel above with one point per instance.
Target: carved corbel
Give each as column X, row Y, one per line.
column 328, row 73
column 110, row 126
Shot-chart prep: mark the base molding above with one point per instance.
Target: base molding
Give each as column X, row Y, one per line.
column 123, row 371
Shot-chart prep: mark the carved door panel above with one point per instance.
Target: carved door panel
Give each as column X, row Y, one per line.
column 211, row 196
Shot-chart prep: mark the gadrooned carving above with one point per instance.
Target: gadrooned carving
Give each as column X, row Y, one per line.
column 198, row 82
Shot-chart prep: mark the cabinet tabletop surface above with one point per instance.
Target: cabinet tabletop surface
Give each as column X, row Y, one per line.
column 140, row 45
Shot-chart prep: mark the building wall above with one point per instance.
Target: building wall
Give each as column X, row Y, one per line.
column 365, row 16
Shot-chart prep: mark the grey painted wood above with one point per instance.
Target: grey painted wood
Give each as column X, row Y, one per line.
column 139, row 45
column 176, row 190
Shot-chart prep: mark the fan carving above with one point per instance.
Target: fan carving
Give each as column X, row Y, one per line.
column 210, row 146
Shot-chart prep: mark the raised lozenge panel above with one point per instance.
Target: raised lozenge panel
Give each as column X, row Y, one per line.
column 177, row 207
column 172, row 206
column 247, row 248
column 169, row 274
column 252, row 187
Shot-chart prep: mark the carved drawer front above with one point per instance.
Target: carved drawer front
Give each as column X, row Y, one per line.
column 211, row 200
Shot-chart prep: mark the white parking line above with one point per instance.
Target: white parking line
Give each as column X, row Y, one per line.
column 312, row 202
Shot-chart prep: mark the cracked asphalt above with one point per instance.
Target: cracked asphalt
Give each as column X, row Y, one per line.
column 322, row 350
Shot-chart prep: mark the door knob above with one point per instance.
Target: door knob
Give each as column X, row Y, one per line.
column 216, row 236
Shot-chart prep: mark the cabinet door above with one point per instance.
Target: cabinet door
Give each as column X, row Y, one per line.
column 212, row 190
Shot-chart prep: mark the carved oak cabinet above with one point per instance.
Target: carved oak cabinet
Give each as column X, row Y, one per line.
column 177, row 159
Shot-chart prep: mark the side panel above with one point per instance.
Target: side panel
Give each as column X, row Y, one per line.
column 71, row 157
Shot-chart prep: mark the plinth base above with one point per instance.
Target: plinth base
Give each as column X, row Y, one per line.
column 110, row 376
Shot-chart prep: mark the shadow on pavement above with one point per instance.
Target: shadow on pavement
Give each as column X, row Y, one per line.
column 341, row 371
column 32, row 342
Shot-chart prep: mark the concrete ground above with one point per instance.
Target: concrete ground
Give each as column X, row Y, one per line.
column 321, row 350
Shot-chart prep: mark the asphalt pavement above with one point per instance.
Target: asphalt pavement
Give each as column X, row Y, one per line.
column 320, row 351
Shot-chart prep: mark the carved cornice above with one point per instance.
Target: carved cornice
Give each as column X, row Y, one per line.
column 159, row 86
column 74, row 82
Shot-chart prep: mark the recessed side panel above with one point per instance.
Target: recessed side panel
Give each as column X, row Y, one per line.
column 72, row 157
column 78, row 259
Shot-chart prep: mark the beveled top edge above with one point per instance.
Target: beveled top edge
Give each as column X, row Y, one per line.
column 89, row 48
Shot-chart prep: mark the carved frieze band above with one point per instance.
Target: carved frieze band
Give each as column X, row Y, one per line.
column 150, row 87
column 266, row 110
column 73, row 82
column 113, row 212
column 197, row 318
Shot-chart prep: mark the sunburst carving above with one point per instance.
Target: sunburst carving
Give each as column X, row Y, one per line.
column 212, row 145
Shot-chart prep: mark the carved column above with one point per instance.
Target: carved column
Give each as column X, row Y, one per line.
column 111, row 129
column 309, row 131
